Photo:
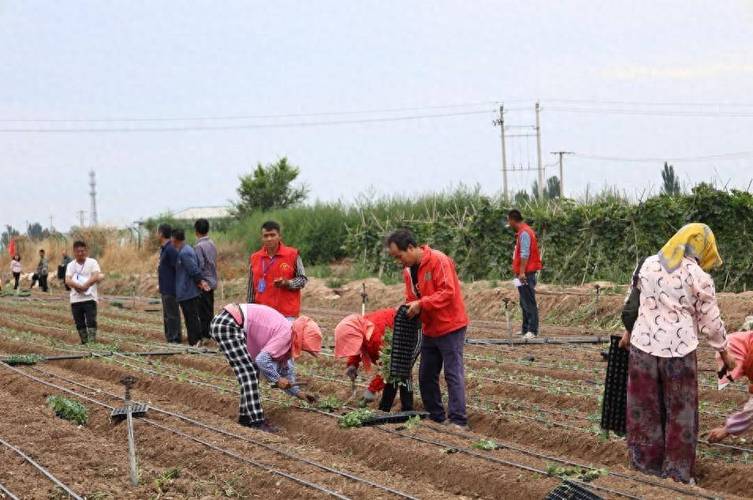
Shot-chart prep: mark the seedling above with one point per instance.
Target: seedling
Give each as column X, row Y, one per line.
column 385, row 355
column 413, row 422
column 486, row 444
column 355, row 418
column 579, row 473
column 23, row 359
column 68, row 409
column 163, row 481
column 330, row 403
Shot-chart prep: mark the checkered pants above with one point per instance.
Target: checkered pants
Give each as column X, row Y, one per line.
column 232, row 340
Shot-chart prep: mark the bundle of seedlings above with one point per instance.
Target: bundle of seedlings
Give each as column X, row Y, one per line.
column 68, row 409
column 23, row 359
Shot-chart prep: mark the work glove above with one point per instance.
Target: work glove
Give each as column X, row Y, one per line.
column 351, row 372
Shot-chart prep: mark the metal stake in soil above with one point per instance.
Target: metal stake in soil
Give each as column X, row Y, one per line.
column 507, row 317
column 129, row 411
column 364, row 299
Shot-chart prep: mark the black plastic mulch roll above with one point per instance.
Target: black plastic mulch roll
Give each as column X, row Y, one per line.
column 571, row 491
column 614, row 404
column 406, row 344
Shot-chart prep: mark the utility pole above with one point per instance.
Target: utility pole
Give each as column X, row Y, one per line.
column 538, row 152
column 501, row 124
column 562, row 179
column 52, row 228
column 93, row 194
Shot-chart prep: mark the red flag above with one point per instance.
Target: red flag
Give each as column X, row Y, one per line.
column 12, row 247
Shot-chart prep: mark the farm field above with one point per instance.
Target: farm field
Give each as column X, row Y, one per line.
column 534, row 413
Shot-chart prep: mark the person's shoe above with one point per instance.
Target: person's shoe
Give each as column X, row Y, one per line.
column 529, row 336
column 92, row 334
column 261, row 425
column 456, row 427
column 83, row 335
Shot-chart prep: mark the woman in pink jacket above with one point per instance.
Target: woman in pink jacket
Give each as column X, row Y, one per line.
column 255, row 338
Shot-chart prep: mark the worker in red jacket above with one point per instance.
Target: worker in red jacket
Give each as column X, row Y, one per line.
column 432, row 292
column 360, row 339
column 276, row 275
column 526, row 262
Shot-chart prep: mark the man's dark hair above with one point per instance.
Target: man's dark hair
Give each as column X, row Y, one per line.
column 165, row 230
column 402, row 238
column 515, row 215
column 41, row 250
column 179, row 234
column 271, row 225
column 201, row 226
column 79, row 244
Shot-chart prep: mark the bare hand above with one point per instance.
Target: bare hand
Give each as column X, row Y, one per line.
column 351, row 372
column 718, row 434
column 204, row 286
column 309, row 398
column 414, row 308
column 281, row 283
column 625, row 341
column 522, row 278
column 729, row 360
column 283, row 383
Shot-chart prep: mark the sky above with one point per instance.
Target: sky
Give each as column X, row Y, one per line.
column 169, row 102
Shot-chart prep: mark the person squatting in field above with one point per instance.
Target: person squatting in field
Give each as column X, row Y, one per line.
column 256, row 338
column 82, row 275
column 188, row 285
column 526, row 262
column 360, row 339
column 676, row 300
column 276, row 274
column 432, row 292
column 41, row 274
column 206, row 255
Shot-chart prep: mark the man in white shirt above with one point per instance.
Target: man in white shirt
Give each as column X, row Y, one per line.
column 82, row 276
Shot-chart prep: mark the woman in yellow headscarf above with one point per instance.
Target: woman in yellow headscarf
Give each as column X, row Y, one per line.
column 677, row 300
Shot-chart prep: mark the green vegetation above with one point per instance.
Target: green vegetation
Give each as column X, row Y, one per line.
column 355, row 418
column 579, row 473
column 269, row 187
column 330, row 403
column 23, row 359
column 385, row 356
column 486, row 444
column 68, row 409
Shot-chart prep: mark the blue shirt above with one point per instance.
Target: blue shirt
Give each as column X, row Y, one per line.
column 168, row 259
column 187, row 274
column 525, row 245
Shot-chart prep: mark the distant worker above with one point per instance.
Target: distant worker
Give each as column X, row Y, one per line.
column 168, row 261
column 360, row 339
column 276, row 274
column 432, row 292
column 41, row 274
column 526, row 261
column 188, row 285
column 65, row 259
column 206, row 253
column 741, row 349
column 16, row 268
column 82, row 275
column 256, row 338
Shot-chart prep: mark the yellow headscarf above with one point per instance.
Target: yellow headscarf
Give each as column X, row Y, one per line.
column 693, row 240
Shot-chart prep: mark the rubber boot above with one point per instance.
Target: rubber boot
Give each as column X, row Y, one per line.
column 82, row 333
column 92, row 334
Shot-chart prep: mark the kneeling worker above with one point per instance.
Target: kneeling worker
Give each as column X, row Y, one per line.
column 360, row 339
column 254, row 335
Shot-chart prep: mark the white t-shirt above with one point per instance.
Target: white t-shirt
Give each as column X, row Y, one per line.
column 80, row 273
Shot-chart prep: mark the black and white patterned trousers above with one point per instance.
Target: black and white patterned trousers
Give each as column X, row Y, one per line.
column 232, row 340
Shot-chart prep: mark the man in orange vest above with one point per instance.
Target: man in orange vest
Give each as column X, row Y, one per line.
column 276, row 275
column 526, row 261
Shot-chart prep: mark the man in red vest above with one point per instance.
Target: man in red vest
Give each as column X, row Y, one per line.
column 525, row 262
column 276, row 275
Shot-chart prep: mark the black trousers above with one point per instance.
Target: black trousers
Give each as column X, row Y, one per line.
column 190, row 310
column 42, row 281
column 528, row 305
column 389, row 393
column 206, row 312
column 85, row 316
column 16, row 277
column 171, row 318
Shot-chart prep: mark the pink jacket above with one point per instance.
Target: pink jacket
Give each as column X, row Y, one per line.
column 267, row 330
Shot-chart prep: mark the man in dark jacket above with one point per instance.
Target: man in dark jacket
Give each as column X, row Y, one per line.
column 168, row 259
column 188, row 285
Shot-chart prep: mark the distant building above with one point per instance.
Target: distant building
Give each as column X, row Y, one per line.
column 194, row 213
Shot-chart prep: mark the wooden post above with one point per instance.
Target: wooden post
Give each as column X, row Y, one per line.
column 128, row 382
column 507, row 318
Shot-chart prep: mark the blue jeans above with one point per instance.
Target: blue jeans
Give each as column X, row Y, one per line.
column 436, row 352
column 527, row 294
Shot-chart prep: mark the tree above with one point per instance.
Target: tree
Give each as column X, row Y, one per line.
column 9, row 233
column 270, row 187
column 551, row 190
column 36, row 232
column 670, row 182
column 521, row 198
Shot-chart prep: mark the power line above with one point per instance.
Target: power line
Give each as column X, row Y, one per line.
column 190, row 128
column 248, row 117
column 721, row 156
column 647, row 112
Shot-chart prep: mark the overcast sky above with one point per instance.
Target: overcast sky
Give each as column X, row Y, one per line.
column 682, row 72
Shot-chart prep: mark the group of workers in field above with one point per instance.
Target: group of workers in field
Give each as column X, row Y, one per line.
column 671, row 300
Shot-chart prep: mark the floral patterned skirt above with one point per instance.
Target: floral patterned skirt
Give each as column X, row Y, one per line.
column 662, row 414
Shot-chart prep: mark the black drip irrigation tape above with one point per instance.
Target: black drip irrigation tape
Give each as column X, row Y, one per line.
column 274, row 449
column 232, row 454
column 6, row 493
column 45, row 472
column 66, row 357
